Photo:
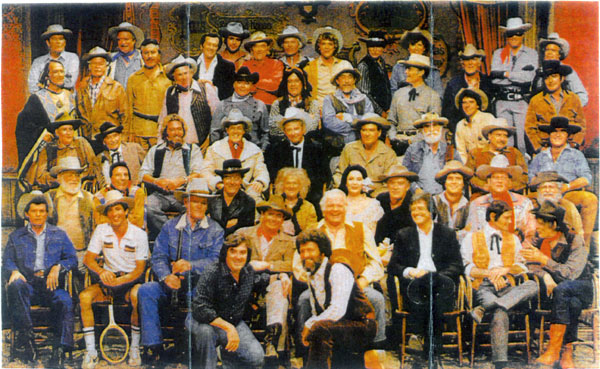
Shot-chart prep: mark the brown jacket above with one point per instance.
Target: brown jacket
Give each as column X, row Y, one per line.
column 281, row 249
column 480, row 156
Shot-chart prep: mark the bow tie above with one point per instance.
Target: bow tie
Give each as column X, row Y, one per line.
column 181, row 88
column 296, row 148
column 412, row 94
column 497, row 239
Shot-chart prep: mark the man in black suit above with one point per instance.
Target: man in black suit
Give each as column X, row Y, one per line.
column 220, row 74
column 299, row 152
column 426, row 259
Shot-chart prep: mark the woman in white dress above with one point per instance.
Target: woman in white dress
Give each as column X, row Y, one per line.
column 361, row 208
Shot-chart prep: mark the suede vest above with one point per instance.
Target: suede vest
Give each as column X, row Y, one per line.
column 355, row 238
column 86, row 207
column 481, row 255
column 339, row 106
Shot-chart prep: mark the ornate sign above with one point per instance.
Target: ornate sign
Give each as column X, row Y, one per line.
column 440, row 54
column 394, row 17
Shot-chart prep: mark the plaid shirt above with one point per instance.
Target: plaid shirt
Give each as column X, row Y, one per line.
column 95, row 90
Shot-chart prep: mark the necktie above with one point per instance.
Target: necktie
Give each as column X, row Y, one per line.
column 497, row 239
column 296, row 156
column 412, row 94
column 514, row 61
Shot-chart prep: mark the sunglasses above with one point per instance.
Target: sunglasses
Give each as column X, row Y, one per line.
column 515, row 34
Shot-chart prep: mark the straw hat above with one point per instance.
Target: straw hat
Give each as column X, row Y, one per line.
column 276, row 203
column 65, row 164
column 430, row 118
column 179, row 61
column 137, row 33
column 371, row 118
column 328, row 29
column 496, row 124
column 453, row 166
column 499, row 164
column 474, row 93
column 113, row 197
column 255, row 38
column 399, row 171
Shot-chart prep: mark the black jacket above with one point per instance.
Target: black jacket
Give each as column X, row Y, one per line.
column 392, row 220
column 223, row 77
column 241, row 208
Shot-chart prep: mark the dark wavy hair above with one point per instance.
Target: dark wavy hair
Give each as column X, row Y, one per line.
column 317, row 236
column 212, row 34
column 497, row 207
column 282, row 91
column 346, row 173
column 327, row 36
column 234, row 240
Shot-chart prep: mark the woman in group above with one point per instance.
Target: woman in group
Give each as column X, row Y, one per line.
column 361, row 208
column 293, row 184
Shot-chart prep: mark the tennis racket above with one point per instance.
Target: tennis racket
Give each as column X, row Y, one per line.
column 114, row 342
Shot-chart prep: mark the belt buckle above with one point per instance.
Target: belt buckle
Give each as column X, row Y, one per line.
column 39, row 274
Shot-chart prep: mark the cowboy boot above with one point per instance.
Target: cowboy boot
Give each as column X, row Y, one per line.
column 552, row 354
column 566, row 359
column 372, row 360
column 272, row 339
column 30, row 352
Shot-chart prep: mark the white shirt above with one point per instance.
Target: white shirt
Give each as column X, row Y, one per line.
column 300, row 146
column 107, row 163
column 425, row 260
column 119, row 256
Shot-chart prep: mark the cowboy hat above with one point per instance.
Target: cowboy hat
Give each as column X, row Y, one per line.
column 414, row 35
column 56, row 29
column 470, row 52
column 96, row 52
column 64, row 119
column 234, row 29
column 328, row 29
column 371, row 118
column 137, row 33
column 231, row 166
column 550, row 67
column 293, row 114
column 499, row 163
column 235, row 116
column 550, row 211
column 554, row 38
column 375, row 38
column 496, row 124
column 515, row 25
column 559, row 122
column 255, row 38
column 243, row 74
column 26, row 199
column 195, row 187
column 546, row 176
column 474, row 93
column 107, row 128
column 276, row 203
column 291, row 31
column 179, row 61
column 453, row 166
column 66, row 164
column 430, row 118
column 352, row 71
column 114, row 197
column 399, row 171
column 417, row 60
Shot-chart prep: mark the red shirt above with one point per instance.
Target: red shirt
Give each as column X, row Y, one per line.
column 270, row 73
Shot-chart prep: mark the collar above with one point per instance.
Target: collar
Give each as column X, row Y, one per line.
column 489, row 230
column 184, row 223
column 201, row 59
column 322, row 223
column 30, row 230
column 461, row 203
column 420, row 231
column 335, row 60
column 355, row 96
column 320, row 273
column 299, row 145
column 237, row 98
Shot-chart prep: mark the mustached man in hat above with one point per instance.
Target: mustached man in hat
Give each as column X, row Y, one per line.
column 375, row 82
column 472, row 102
column 553, row 101
column 127, row 59
column 513, row 70
column 451, row 206
column 125, row 251
column 213, row 68
column 233, row 35
column 270, row 70
column 242, row 100
column 470, row 60
column 55, row 37
column 292, row 41
column 185, row 247
column 571, row 165
column 35, row 259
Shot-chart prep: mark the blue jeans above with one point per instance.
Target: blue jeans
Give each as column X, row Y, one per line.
column 249, row 353
column 156, row 206
column 570, row 297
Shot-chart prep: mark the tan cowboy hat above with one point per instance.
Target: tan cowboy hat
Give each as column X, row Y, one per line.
column 291, row 31
column 234, row 29
column 328, row 29
column 399, row 171
column 178, row 62
column 235, row 116
column 137, row 33
column 96, row 52
column 371, row 118
column 56, row 29
column 293, row 114
column 546, row 176
column 499, row 163
column 496, row 124
column 417, row 60
column 352, row 71
column 430, row 118
column 64, row 119
column 416, row 34
column 453, row 166
column 255, row 38
column 27, row 198
column 470, row 52
column 113, row 197
column 65, row 164
column 554, row 38
column 276, row 203
column 515, row 25
column 196, row 187
column 474, row 93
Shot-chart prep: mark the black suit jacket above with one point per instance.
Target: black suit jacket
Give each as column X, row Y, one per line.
column 242, row 208
column 223, row 77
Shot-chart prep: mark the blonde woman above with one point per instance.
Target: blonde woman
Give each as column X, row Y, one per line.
column 361, row 208
column 293, row 185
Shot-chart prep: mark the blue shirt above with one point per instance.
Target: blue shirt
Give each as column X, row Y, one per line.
column 420, row 159
column 122, row 71
column 570, row 164
column 70, row 62
column 40, row 241
column 399, row 78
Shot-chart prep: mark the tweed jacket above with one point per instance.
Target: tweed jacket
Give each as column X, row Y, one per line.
column 111, row 105
column 281, row 249
column 132, row 154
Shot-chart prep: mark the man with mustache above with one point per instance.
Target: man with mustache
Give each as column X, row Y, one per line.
column 428, row 157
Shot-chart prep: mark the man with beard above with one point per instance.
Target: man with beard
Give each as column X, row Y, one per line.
column 213, row 68
column 270, row 70
column 428, row 157
column 233, row 35
column 145, row 91
column 291, row 40
column 169, row 166
column 127, row 59
column 375, row 82
column 451, row 206
column 115, row 150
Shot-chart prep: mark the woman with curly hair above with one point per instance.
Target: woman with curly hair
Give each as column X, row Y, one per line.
column 356, row 184
column 293, row 184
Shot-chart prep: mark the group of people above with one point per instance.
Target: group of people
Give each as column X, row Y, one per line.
column 234, row 174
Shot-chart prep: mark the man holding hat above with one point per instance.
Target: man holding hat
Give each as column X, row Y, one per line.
column 472, row 102
column 35, row 259
column 470, row 60
column 375, row 82
column 251, row 108
column 497, row 134
column 428, row 156
column 233, row 35
column 55, row 38
column 345, row 105
column 125, row 251
column 127, row 59
column 270, row 70
column 232, row 208
column 369, row 151
column 570, row 164
column 513, row 70
column 291, row 40
column 551, row 102
column 212, row 68
column 100, row 98
column 186, row 245
column 451, row 206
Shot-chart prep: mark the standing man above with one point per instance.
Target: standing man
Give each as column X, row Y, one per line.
column 291, row 40
column 114, row 151
column 375, row 82
column 270, row 71
column 35, row 259
column 55, row 38
column 513, row 70
column 127, row 59
column 233, row 35
column 213, row 68
column 145, row 92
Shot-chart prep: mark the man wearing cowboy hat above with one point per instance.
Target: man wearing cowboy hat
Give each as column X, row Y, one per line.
column 328, row 42
column 235, row 146
column 451, row 206
column 125, row 251
column 556, row 48
column 233, row 35
column 232, row 208
column 251, row 108
column 497, row 134
column 145, row 91
column 270, row 70
column 127, row 59
column 345, row 105
column 34, row 259
column 272, row 251
column 115, row 150
column 194, row 102
column 99, row 97
column 213, row 68
column 375, row 82
column 55, row 37
column 426, row 259
column 369, row 151
column 470, row 60
column 551, row 102
column 428, row 156
column 416, row 41
column 513, row 70
column 472, row 102
column 414, row 99
column 291, row 40
column 186, row 245
column 498, row 175
column 570, row 164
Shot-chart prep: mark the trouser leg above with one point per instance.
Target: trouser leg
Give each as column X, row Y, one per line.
column 62, row 304
column 499, row 335
column 150, row 297
column 569, row 298
column 303, row 312
column 19, row 300
column 205, row 341
column 514, row 295
column 378, row 301
column 249, row 354
column 588, row 202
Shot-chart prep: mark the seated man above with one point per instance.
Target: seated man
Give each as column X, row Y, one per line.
column 428, row 156
column 184, row 248
column 272, row 251
column 492, row 260
column 125, row 250
column 344, row 321
column 222, row 295
column 451, row 206
column 471, row 102
column 426, row 259
column 34, row 259
column 232, row 208
column 570, row 164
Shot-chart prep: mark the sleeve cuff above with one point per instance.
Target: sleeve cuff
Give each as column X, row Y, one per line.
column 406, row 272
